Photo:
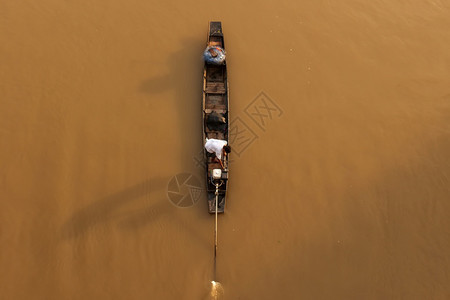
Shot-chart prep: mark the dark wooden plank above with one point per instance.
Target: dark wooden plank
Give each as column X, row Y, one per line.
column 215, row 99
column 215, row 84
column 216, row 106
column 215, row 88
column 214, row 74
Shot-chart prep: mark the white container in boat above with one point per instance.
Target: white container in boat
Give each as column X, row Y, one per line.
column 217, row 173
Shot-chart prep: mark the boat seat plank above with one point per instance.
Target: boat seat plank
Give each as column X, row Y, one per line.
column 216, row 99
column 215, row 107
column 217, row 110
column 215, row 88
column 214, row 91
column 215, row 84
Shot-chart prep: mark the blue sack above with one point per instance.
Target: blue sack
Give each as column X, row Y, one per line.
column 214, row 55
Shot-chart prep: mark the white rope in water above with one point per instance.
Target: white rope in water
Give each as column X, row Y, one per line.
column 215, row 231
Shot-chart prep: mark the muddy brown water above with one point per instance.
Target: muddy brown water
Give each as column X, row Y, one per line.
column 340, row 192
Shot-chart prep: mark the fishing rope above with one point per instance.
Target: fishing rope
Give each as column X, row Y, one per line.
column 215, row 231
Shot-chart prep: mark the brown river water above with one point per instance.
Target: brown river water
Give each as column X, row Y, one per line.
column 340, row 176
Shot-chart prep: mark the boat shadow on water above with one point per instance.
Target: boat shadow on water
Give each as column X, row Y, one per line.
column 184, row 80
column 113, row 207
column 131, row 209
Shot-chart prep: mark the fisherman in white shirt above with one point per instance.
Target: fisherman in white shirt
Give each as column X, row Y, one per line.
column 217, row 147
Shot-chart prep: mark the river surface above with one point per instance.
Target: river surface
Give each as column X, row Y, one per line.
column 340, row 180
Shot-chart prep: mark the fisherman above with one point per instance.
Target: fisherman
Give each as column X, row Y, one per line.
column 218, row 147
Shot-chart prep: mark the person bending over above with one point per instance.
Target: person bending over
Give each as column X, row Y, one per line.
column 218, row 147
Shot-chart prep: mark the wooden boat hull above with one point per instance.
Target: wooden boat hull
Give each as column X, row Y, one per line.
column 215, row 101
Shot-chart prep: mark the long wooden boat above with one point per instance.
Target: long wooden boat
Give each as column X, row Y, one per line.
column 215, row 103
